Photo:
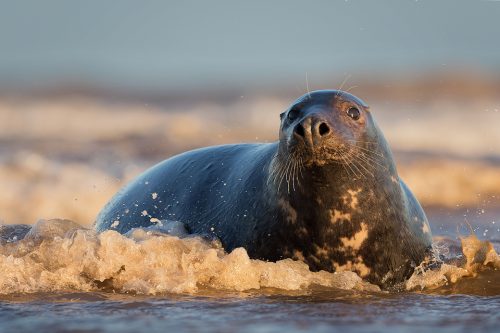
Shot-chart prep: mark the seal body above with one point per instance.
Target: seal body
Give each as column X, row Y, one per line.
column 327, row 193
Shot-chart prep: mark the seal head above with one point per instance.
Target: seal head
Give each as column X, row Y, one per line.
column 340, row 192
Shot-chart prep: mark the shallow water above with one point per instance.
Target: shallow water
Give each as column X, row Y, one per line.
column 317, row 311
column 61, row 277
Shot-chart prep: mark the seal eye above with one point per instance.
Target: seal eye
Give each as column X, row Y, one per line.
column 354, row 113
column 293, row 114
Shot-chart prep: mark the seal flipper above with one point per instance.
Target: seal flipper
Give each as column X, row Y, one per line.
column 209, row 238
column 13, row 232
column 171, row 228
column 433, row 261
column 161, row 228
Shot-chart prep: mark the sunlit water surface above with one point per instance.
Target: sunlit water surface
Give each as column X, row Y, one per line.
column 315, row 311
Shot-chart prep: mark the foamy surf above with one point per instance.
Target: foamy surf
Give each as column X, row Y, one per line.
column 474, row 257
column 60, row 255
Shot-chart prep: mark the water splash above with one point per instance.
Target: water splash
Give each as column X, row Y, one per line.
column 60, row 255
column 476, row 256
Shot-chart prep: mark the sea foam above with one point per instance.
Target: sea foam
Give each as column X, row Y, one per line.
column 61, row 255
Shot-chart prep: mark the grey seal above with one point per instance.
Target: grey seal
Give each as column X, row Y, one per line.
column 327, row 193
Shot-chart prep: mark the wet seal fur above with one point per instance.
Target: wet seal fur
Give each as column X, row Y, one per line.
column 327, row 193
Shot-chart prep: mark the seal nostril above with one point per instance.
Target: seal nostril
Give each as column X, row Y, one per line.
column 323, row 129
column 299, row 129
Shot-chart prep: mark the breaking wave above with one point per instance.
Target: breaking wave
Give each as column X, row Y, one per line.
column 61, row 255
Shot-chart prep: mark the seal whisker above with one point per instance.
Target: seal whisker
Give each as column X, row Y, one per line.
column 362, row 141
column 371, row 152
column 344, row 162
column 278, row 173
column 372, row 146
column 290, row 174
column 373, row 160
column 349, row 166
column 296, row 172
column 281, row 174
column 301, row 165
column 369, row 155
column 345, row 168
column 359, row 160
column 351, row 87
column 353, row 156
column 283, row 170
column 368, row 152
column 365, row 162
column 368, row 148
column 279, row 178
column 274, row 169
column 287, row 173
column 284, row 174
column 348, row 76
column 287, row 176
column 358, row 173
column 356, row 166
column 293, row 173
column 299, row 174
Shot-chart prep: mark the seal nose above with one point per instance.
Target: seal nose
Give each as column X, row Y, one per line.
column 323, row 129
column 312, row 130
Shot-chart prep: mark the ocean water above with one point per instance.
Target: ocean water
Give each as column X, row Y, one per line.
column 317, row 310
column 59, row 276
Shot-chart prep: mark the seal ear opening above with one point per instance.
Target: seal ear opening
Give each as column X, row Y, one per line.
column 282, row 114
